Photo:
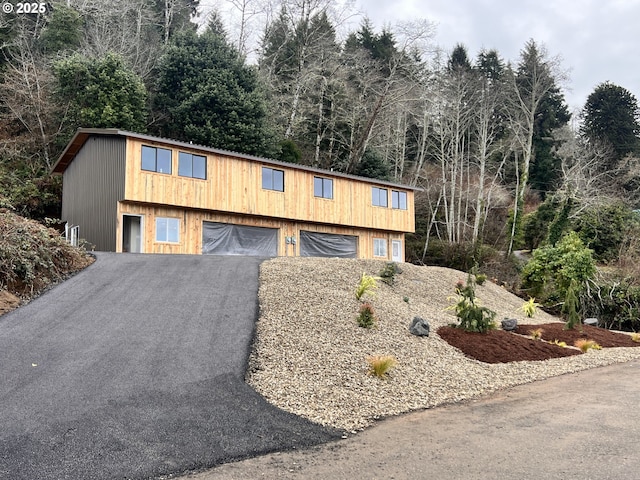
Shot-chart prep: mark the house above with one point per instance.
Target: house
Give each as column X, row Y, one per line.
column 130, row 192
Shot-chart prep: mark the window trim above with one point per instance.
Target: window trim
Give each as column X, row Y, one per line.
column 155, row 159
column 167, row 240
column 398, row 194
column 191, row 158
column 376, row 198
column 272, row 187
column 322, row 186
column 377, row 240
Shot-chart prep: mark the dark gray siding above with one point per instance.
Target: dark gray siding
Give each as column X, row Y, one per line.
column 92, row 186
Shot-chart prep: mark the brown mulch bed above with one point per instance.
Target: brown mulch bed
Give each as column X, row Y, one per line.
column 499, row 346
column 603, row 337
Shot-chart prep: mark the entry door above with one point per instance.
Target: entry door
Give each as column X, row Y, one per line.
column 132, row 233
column 396, row 250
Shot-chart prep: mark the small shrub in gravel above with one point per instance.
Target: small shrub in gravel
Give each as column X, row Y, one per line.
column 366, row 286
column 366, row 318
column 380, row 365
column 389, row 272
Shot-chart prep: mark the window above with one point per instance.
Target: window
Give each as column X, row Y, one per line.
column 379, row 247
column 194, row 166
column 379, row 197
column 322, row 187
column 399, row 200
column 272, row 179
column 167, row 230
column 156, row 159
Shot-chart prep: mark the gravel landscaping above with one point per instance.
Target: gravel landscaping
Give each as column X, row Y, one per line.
column 309, row 355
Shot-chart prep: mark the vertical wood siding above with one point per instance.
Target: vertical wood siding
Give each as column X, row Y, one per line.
column 235, row 185
column 191, row 230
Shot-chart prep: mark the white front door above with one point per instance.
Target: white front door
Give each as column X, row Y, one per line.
column 396, row 250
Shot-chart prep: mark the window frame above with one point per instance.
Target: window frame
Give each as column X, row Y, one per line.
column 376, row 195
column 323, row 181
column 272, row 183
column 189, row 157
column 168, row 229
column 155, row 159
column 376, row 247
column 397, row 204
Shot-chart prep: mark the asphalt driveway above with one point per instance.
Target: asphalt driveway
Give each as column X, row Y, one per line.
column 134, row 368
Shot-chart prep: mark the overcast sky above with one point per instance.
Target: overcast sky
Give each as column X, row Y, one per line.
column 598, row 40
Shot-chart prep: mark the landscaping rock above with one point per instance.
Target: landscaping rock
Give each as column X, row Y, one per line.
column 593, row 322
column 509, row 324
column 419, row 327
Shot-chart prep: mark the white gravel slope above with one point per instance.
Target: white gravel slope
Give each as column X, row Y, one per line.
column 309, row 355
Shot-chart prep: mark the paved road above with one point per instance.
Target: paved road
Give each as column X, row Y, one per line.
column 583, row 426
column 134, row 369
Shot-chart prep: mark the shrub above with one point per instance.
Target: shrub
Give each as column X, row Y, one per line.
column 635, row 337
column 584, row 345
column 481, row 278
column 460, row 256
column 389, row 272
column 379, row 366
column 560, row 344
column 32, row 256
column 366, row 286
column 366, row 317
column 472, row 316
column 536, row 334
column 529, row 307
column 604, row 228
column 570, row 309
column 552, row 269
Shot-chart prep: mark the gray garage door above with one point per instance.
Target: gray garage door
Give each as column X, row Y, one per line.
column 314, row 244
column 229, row 239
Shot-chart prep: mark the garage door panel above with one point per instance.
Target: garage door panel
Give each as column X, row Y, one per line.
column 316, row 244
column 229, row 239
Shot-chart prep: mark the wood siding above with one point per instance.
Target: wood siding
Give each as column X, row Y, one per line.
column 234, row 185
column 191, row 221
column 92, row 186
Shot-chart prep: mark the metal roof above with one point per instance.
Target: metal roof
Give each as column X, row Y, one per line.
column 83, row 134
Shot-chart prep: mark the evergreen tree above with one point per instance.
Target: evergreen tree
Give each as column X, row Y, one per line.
column 207, row 95
column 611, row 116
column 101, row 93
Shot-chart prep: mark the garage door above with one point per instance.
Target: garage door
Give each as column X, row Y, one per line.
column 314, row 244
column 229, row 239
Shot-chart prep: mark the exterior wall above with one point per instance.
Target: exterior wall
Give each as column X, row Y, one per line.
column 235, row 185
column 191, row 230
column 92, row 186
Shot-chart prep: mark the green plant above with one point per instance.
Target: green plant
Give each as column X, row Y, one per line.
column 366, row 286
column 536, row 334
column 366, row 317
column 550, row 272
column 529, row 307
column 389, row 272
column 635, row 337
column 472, row 316
column 570, row 308
column 584, row 345
column 380, row 365
column 560, row 344
column 481, row 278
